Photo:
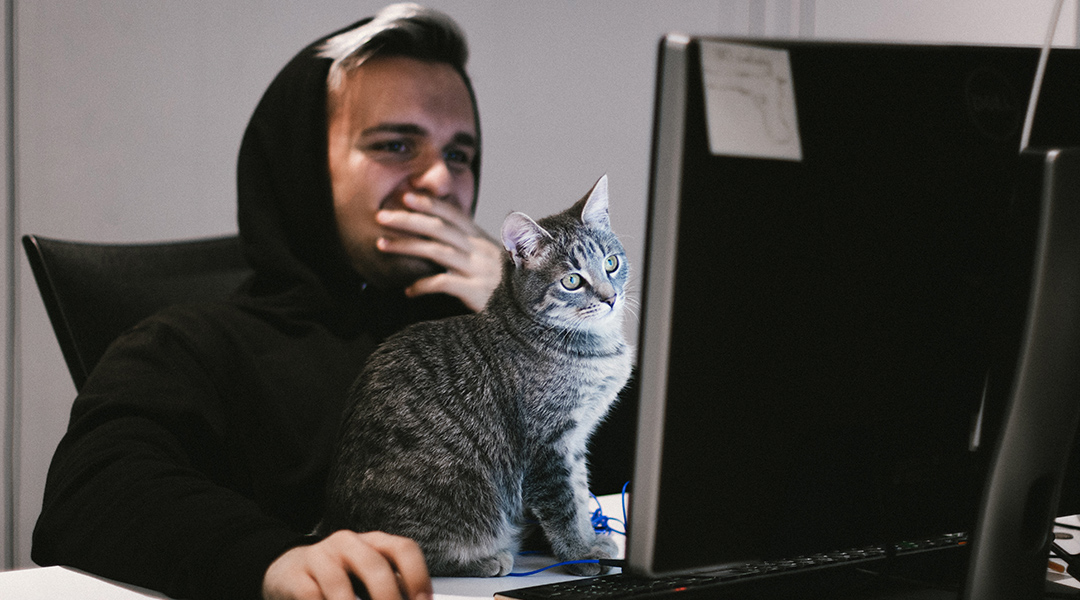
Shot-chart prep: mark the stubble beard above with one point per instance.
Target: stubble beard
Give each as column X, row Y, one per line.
column 397, row 272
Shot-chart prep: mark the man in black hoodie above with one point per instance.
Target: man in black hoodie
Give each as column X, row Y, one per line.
column 196, row 455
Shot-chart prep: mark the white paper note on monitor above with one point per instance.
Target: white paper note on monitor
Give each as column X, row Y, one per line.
column 750, row 101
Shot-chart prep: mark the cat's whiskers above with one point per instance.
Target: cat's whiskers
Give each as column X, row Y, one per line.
column 633, row 306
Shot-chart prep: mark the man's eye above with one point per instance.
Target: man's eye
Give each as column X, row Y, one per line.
column 458, row 157
column 391, row 147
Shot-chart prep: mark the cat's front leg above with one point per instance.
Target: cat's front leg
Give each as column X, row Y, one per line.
column 602, row 547
column 557, row 492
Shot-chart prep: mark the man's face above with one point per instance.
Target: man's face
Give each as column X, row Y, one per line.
column 399, row 125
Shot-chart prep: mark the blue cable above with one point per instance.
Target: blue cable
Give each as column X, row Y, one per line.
column 569, row 562
column 624, row 486
column 601, row 524
column 600, row 521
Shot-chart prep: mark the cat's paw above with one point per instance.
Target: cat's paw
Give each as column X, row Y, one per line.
column 493, row 566
column 588, row 569
column 505, row 559
column 603, row 547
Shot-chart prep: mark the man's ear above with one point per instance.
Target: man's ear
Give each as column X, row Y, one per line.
column 522, row 237
column 595, row 212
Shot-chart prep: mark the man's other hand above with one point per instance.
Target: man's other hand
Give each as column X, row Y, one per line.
column 389, row 567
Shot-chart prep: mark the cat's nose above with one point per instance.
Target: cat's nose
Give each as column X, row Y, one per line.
column 610, row 300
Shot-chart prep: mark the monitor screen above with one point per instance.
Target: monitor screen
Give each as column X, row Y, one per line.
column 837, row 280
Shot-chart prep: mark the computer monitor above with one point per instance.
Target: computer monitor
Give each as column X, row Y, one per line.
column 842, row 267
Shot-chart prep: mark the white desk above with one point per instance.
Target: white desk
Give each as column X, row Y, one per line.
column 52, row 583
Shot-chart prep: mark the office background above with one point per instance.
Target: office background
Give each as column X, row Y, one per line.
column 122, row 119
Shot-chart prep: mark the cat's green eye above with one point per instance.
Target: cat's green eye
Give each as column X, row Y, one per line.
column 572, row 281
column 611, row 263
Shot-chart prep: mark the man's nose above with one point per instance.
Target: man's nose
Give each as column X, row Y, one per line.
column 432, row 177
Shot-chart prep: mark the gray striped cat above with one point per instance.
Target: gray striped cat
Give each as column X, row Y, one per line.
column 460, row 430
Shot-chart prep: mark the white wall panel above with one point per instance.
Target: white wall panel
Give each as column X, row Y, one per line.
column 949, row 21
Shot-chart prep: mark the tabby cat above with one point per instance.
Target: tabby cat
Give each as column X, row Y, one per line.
column 461, row 430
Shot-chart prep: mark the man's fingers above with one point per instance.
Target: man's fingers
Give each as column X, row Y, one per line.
column 369, row 564
column 447, row 211
column 331, row 575
column 441, row 254
column 408, row 562
column 316, row 572
column 474, row 293
column 442, row 283
column 424, row 226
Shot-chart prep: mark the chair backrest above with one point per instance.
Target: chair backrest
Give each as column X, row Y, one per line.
column 94, row 292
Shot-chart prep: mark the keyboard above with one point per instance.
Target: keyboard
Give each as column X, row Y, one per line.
column 627, row 586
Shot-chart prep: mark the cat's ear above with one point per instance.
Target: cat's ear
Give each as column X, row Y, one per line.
column 521, row 237
column 595, row 212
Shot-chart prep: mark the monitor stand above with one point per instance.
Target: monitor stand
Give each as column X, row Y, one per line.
column 1011, row 542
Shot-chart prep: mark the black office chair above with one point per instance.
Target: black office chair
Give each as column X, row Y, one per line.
column 94, row 292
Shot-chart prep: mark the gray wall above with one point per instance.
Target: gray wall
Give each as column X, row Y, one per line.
column 128, row 116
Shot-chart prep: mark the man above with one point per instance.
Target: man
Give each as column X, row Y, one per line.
column 196, row 456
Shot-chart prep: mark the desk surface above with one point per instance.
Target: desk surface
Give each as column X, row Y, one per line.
column 50, row 583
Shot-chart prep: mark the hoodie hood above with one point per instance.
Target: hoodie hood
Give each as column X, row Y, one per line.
column 285, row 204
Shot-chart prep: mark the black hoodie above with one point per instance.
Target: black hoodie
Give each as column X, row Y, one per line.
column 197, row 450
